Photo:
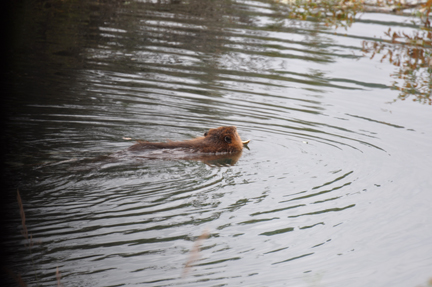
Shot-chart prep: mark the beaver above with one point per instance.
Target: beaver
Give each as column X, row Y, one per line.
column 219, row 146
column 221, row 140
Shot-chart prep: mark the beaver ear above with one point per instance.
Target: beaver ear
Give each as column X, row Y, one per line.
column 227, row 139
column 205, row 134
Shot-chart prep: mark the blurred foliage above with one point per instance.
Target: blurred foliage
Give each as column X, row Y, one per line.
column 411, row 54
column 332, row 12
column 412, row 57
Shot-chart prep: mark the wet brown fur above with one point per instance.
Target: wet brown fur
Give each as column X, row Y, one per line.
column 219, row 140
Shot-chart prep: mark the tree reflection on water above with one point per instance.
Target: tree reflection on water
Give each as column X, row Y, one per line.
column 411, row 54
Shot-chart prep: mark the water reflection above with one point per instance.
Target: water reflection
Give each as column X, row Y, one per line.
column 334, row 14
column 412, row 56
column 141, row 159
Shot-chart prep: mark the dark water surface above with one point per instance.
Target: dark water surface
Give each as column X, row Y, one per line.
column 336, row 189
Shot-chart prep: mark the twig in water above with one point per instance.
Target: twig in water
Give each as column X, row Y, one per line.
column 17, row 277
column 24, row 230
column 194, row 253
column 58, row 276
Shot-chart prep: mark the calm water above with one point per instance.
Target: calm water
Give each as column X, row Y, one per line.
column 335, row 189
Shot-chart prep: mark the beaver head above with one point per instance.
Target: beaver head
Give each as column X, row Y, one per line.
column 220, row 140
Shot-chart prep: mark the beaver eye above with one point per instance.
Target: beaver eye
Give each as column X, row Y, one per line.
column 205, row 134
column 227, row 139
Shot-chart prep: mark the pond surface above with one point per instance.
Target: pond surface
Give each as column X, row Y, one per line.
column 334, row 190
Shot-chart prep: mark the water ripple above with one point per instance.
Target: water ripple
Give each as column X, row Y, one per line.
column 320, row 151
